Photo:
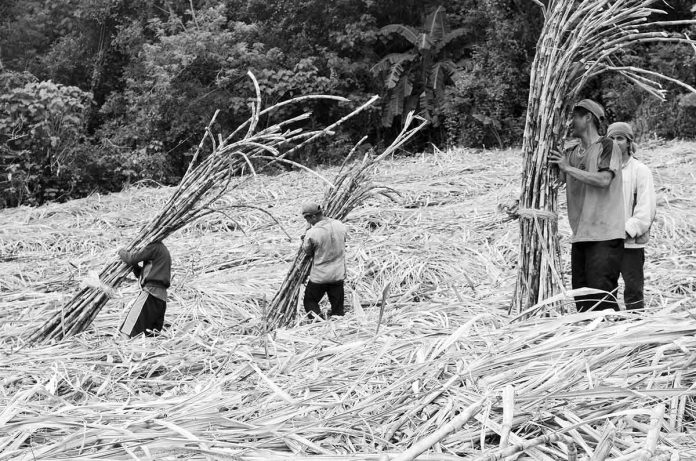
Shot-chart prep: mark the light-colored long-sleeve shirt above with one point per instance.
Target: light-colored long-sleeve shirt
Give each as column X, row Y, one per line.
column 326, row 243
column 639, row 200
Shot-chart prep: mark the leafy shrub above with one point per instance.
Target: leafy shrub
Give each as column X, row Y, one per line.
column 487, row 104
column 134, row 84
column 41, row 124
column 626, row 101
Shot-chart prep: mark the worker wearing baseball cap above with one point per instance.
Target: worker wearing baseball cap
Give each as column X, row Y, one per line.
column 594, row 189
column 639, row 208
column 593, row 108
column 325, row 242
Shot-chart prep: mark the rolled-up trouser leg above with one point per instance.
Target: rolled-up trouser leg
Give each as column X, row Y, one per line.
column 313, row 294
column 146, row 313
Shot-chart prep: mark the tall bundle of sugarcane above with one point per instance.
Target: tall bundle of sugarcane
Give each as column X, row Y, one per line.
column 580, row 40
column 245, row 150
column 351, row 187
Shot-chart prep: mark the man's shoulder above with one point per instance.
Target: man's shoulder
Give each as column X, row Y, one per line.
column 158, row 248
column 608, row 147
column 641, row 168
column 639, row 164
column 319, row 228
column 337, row 221
column 569, row 145
column 340, row 226
column 607, row 142
column 313, row 231
column 330, row 222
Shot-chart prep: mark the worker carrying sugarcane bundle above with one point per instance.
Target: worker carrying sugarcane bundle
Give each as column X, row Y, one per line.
column 594, row 189
column 146, row 313
column 325, row 242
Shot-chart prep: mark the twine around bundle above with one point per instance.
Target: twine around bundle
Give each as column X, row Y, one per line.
column 514, row 212
column 536, row 213
column 93, row 281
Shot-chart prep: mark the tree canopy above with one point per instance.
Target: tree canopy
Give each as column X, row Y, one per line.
column 99, row 94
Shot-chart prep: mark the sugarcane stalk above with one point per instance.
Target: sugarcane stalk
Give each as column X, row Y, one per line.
column 458, row 421
column 508, row 414
column 521, row 447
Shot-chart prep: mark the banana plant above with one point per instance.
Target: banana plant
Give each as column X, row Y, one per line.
column 416, row 79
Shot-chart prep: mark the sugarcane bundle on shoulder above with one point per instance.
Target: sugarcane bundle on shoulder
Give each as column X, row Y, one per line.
column 350, row 189
column 246, row 150
column 325, row 243
column 146, row 313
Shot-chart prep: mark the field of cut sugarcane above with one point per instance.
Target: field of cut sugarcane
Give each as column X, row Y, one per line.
column 427, row 364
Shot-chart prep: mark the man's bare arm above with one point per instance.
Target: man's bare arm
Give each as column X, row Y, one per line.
column 600, row 179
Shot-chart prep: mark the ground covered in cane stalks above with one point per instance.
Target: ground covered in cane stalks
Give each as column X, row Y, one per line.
column 215, row 385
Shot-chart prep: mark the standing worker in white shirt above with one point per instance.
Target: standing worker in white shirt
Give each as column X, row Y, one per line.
column 639, row 200
column 325, row 242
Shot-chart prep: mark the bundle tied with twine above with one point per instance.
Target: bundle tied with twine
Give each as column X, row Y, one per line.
column 247, row 149
column 580, row 40
column 351, row 187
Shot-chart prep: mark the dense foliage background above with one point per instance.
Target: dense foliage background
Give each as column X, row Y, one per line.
column 97, row 94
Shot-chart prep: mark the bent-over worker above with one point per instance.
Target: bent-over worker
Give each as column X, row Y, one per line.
column 639, row 202
column 146, row 314
column 594, row 189
column 325, row 242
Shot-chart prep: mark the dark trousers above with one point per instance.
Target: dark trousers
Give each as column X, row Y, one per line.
column 597, row 265
column 146, row 313
column 315, row 291
column 632, row 273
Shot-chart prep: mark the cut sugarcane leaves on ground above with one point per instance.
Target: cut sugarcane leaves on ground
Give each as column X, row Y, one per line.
column 214, row 386
column 429, row 364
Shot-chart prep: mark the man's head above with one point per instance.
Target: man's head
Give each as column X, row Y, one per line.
column 312, row 213
column 587, row 115
column 622, row 134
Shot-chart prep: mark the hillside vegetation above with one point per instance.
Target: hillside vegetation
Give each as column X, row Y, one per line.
column 101, row 94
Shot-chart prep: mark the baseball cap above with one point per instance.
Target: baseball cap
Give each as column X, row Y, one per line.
column 309, row 209
column 594, row 108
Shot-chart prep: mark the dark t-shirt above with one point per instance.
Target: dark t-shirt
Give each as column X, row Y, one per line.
column 155, row 275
